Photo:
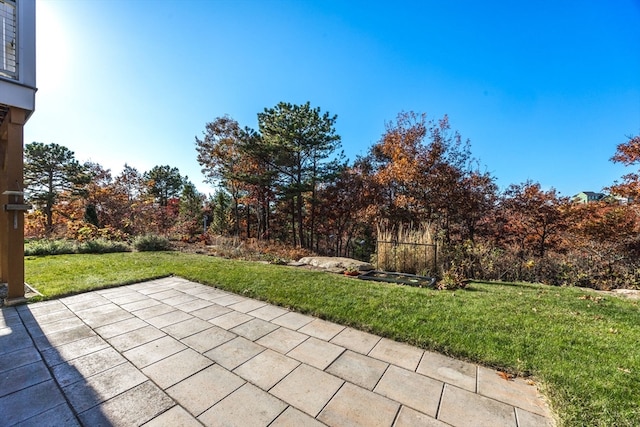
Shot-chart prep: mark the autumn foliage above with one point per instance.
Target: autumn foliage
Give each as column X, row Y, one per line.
column 288, row 185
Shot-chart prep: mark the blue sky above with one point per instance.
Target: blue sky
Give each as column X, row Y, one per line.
column 544, row 90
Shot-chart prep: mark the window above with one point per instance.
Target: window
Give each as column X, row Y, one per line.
column 8, row 39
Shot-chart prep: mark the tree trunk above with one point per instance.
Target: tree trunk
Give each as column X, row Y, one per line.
column 300, row 222
column 248, row 207
column 293, row 222
column 236, row 215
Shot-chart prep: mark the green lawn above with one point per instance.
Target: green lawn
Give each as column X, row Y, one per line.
column 583, row 348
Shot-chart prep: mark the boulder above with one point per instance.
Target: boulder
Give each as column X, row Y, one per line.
column 335, row 263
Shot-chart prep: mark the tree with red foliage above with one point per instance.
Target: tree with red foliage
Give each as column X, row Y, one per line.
column 628, row 153
column 421, row 170
column 532, row 218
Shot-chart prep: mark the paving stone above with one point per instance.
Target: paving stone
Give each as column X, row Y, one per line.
column 358, row 369
column 247, row 406
column 268, row 312
column 172, row 297
column 396, row 353
column 247, row 305
column 75, row 301
column 86, row 366
column 22, row 377
column 307, row 388
column 408, row 417
column 282, row 340
column 40, row 308
column 140, row 304
column 168, row 318
column 153, row 311
column 254, row 329
column 100, row 387
column 188, row 287
column 230, row 320
column 411, row 389
column 358, row 341
column 176, row 367
column 316, row 353
column 355, row 406
column 292, row 320
column 187, row 327
column 178, row 283
column 180, row 300
column 174, row 417
column 103, row 315
column 50, row 317
column 528, row 419
column 67, row 352
column 456, row 372
column 135, row 338
column 137, row 406
column 53, row 327
column 211, row 311
column 148, row 288
column 12, row 340
column 234, row 353
column 321, row 329
column 208, row 339
column 155, row 286
column 516, row 392
column 21, row 357
column 204, row 389
column 9, row 317
column 30, row 402
column 210, row 294
column 194, row 304
column 64, row 336
column 121, row 327
column 151, row 352
column 116, row 290
column 477, row 410
column 124, row 296
column 291, row 417
column 60, row 415
column 228, row 299
column 266, row 369
column 85, row 301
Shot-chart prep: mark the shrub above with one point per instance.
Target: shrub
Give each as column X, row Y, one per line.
column 151, row 242
column 48, row 247
column 102, row 246
column 452, row 278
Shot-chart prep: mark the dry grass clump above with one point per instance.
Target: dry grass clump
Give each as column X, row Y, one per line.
column 252, row 249
column 406, row 249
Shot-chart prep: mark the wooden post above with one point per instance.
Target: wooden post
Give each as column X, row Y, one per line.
column 12, row 221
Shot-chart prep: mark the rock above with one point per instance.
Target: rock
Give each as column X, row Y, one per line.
column 296, row 264
column 336, row 263
column 629, row 293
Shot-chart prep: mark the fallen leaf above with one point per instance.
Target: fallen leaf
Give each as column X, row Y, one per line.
column 505, row 376
column 625, row 370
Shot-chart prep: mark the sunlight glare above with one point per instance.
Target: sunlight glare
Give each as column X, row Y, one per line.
column 52, row 47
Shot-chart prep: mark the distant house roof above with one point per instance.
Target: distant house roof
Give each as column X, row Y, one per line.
column 589, row 196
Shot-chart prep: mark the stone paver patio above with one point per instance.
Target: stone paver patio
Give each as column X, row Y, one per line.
column 171, row 352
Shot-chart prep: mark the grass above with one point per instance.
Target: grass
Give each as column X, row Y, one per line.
column 582, row 347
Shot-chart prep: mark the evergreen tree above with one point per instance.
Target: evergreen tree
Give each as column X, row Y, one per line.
column 51, row 172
